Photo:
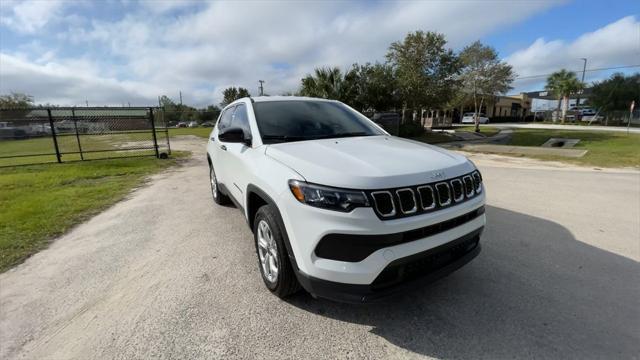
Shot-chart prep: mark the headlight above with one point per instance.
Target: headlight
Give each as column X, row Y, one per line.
column 327, row 197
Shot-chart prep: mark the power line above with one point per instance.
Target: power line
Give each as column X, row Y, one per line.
column 577, row 71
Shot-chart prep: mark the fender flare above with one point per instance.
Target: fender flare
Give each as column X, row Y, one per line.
column 253, row 189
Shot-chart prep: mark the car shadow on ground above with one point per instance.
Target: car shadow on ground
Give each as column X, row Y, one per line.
column 534, row 291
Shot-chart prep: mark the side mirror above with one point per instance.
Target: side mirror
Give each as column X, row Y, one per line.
column 234, row 135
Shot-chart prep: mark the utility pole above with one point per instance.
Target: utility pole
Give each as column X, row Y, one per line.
column 180, row 97
column 584, row 68
column 261, row 87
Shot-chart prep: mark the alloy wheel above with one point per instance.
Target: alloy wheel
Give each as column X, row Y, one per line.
column 268, row 252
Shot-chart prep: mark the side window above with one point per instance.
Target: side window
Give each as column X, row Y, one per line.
column 225, row 118
column 240, row 119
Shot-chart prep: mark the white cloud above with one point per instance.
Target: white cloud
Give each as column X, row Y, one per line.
column 163, row 6
column 29, row 16
column 71, row 83
column 205, row 47
column 616, row 44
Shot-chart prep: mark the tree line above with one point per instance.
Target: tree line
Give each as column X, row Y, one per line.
column 419, row 73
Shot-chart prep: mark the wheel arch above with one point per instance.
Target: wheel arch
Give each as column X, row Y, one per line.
column 256, row 198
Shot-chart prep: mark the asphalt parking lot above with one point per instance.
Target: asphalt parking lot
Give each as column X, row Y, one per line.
column 167, row 274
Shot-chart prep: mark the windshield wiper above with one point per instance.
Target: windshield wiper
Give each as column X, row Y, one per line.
column 342, row 135
column 287, row 138
column 283, row 138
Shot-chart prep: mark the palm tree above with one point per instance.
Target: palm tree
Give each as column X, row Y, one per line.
column 328, row 83
column 562, row 84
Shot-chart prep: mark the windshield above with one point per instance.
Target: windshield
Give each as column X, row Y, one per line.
column 282, row 121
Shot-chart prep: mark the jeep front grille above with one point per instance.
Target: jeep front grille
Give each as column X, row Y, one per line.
column 444, row 193
column 477, row 181
column 427, row 199
column 419, row 199
column 383, row 203
column 457, row 190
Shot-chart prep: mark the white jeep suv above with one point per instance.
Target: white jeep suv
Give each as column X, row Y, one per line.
column 336, row 204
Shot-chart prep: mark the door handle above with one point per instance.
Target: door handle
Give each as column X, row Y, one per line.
column 223, row 147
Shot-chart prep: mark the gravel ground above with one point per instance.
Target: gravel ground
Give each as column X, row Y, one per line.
column 166, row 274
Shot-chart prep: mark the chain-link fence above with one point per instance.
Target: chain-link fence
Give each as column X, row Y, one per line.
column 46, row 135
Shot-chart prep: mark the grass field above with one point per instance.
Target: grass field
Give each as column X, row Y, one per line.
column 484, row 130
column 40, row 202
column 605, row 149
column 68, row 146
column 200, row 131
column 434, row 137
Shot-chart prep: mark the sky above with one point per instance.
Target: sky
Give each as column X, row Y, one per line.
column 126, row 52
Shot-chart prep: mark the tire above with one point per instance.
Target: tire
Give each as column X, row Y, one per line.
column 270, row 250
column 218, row 197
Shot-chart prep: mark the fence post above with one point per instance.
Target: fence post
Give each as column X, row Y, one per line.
column 75, row 124
column 153, row 131
column 53, row 135
column 166, row 129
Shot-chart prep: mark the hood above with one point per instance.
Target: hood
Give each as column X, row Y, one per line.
column 369, row 162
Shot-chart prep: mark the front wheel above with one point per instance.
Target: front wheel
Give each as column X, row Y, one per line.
column 218, row 197
column 275, row 267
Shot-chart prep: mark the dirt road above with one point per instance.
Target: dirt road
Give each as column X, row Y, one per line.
column 166, row 274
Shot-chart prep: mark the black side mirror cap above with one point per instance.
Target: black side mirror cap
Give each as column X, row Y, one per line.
column 234, row 135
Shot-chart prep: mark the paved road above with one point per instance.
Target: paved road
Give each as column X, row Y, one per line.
column 166, row 274
column 633, row 130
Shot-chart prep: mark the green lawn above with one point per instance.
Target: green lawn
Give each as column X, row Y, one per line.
column 40, row 202
column 199, row 131
column 605, row 149
column 484, row 130
column 67, row 144
column 435, row 137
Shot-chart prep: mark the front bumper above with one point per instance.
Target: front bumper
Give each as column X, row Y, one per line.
column 402, row 274
column 306, row 226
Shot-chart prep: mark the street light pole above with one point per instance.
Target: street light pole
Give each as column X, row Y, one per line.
column 584, row 68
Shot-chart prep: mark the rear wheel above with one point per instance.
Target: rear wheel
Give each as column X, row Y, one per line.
column 218, row 197
column 275, row 267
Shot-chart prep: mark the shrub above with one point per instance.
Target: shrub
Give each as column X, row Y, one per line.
column 411, row 129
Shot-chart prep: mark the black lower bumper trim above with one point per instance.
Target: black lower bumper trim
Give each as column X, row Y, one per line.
column 354, row 248
column 402, row 274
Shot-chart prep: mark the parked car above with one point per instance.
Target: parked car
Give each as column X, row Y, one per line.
column 338, row 206
column 207, row 124
column 181, row 125
column 592, row 118
column 193, row 124
column 468, row 118
column 10, row 132
column 579, row 112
